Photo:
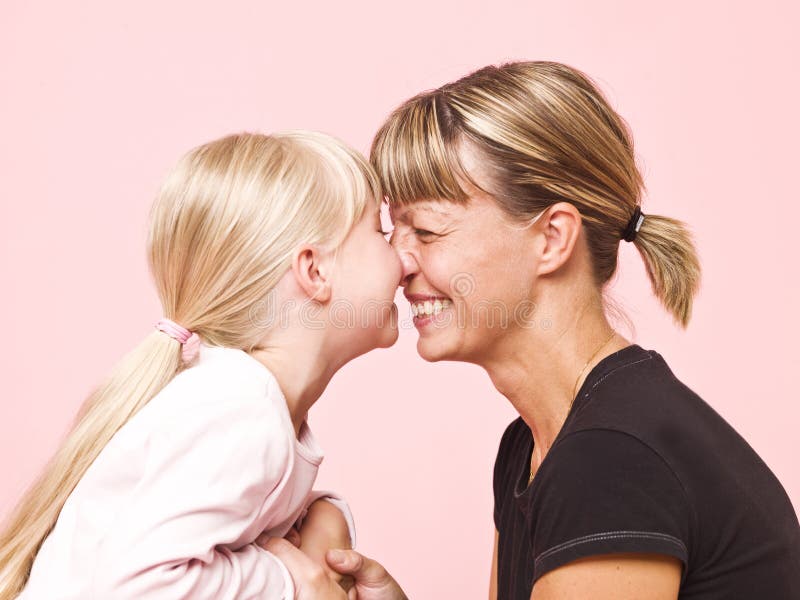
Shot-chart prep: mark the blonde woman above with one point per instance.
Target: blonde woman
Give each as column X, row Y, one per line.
column 195, row 452
column 511, row 190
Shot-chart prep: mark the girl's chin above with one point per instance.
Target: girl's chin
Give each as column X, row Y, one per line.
column 390, row 334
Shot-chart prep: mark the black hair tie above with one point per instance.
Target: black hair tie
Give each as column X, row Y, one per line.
column 633, row 225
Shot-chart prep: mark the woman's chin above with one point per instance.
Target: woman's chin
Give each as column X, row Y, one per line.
column 434, row 350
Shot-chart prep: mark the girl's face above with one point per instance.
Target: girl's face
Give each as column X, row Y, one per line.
column 362, row 312
column 468, row 272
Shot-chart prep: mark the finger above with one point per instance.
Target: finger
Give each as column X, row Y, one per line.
column 352, row 594
column 294, row 559
column 345, row 562
column 349, row 562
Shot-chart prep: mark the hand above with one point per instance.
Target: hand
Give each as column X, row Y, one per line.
column 311, row 581
column 324, row 527
column 372, row 582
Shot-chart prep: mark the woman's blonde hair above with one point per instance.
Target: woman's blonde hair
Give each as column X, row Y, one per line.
column 222, row 231
column 543, row 133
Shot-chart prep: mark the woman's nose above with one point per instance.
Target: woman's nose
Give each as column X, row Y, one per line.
column 407, row 261
column 409, row 267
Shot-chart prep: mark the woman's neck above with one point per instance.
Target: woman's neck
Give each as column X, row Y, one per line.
column 539, row 371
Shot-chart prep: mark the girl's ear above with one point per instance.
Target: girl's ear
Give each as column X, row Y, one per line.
column 312, row 273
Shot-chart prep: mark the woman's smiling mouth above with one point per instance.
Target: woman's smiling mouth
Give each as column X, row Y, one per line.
column 425, row 307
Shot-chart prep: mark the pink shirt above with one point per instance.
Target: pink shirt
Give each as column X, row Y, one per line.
column 172, row 505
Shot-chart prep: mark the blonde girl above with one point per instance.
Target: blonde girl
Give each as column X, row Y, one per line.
column 272, row 272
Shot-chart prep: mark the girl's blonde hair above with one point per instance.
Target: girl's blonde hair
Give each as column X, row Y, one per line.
column 221, row 235
column 543, row 133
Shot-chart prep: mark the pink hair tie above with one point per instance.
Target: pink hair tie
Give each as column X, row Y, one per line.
column 190, row 341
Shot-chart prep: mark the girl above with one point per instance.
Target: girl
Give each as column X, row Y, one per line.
column 196, row 450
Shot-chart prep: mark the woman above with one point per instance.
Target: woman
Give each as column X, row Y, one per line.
column 511, row 190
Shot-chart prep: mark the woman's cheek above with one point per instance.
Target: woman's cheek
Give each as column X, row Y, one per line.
column 437, row 272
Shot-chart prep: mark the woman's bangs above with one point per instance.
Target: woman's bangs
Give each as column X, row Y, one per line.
column 413, row 159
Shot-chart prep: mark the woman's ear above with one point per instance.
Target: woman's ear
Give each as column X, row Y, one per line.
column 561, row 225
column 312, row 271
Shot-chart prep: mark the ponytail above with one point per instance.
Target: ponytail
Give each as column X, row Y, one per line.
column 672, row 264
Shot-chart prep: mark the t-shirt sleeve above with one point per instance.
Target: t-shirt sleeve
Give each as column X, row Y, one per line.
column 604, row 492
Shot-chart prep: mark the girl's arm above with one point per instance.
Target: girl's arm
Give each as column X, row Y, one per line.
column 188, row 529
column 340, row 504
column 324, row 528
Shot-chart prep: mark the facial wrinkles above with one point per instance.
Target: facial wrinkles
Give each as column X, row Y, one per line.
column 407, row 221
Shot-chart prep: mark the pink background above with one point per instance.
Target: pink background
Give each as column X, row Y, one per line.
column 97, row 102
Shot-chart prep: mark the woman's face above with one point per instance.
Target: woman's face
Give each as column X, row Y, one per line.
column 362, row 310
column 468, row 272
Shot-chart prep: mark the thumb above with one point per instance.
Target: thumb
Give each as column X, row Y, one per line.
column 345, row 562
column 365, row 571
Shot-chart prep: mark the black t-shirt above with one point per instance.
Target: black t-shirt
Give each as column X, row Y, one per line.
column 643, row 464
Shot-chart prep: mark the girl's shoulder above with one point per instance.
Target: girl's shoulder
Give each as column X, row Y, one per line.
column 226, row 387
column 229, row 371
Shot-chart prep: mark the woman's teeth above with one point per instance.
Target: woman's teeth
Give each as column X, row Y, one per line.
column 429, row 308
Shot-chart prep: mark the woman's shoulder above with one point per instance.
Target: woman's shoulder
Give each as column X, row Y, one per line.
column 643, row 398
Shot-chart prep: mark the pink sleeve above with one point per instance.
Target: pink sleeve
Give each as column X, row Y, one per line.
column 187, row 532
column 339, row 503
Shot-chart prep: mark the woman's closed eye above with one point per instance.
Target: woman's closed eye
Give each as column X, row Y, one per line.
column 423, row 233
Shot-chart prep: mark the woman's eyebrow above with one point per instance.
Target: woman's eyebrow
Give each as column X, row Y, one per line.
column 406, row 214
column 443, row 212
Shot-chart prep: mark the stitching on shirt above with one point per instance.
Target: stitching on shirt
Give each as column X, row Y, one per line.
column 590, row 390
column 599, row 381
column 609, row 535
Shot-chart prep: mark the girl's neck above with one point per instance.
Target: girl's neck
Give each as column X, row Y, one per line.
column 302, row 377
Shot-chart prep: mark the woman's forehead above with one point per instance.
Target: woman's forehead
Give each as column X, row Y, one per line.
column 438, row 208
column 478, row 206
